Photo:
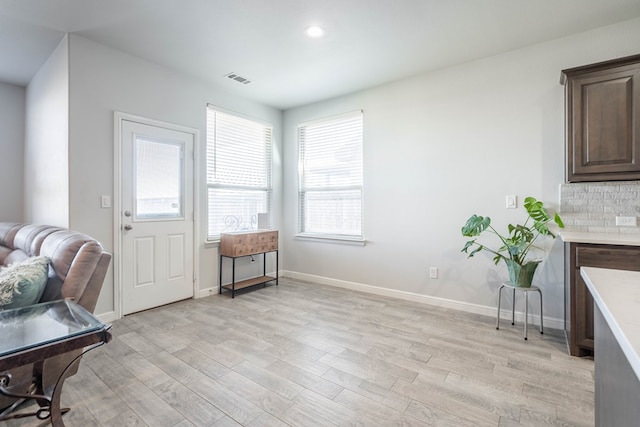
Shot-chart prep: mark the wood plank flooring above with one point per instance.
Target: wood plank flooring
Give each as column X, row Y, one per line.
column 303, row 354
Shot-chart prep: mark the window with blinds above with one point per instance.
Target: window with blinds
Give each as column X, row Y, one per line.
column 331, row 175
column 238, row 172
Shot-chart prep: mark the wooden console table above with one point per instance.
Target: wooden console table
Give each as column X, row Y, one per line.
column 33, row 334
column 248, row 243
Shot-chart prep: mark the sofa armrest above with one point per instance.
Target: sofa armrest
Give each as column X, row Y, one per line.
column 78, row 267
column 89, row 297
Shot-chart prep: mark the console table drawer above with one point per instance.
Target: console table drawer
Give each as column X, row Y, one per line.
column 239, row 250
column 268, row 237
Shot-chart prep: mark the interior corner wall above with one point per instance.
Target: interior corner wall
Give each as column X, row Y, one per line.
column 444, row 145
column 46, row 143
column 104, row 80
column 12, row 122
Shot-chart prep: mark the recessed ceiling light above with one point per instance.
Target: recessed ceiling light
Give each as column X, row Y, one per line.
column 315, row 31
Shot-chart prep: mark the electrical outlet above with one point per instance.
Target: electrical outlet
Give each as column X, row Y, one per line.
column 626, row 221
column 433, row 272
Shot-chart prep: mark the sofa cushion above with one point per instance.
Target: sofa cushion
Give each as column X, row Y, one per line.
column 30, row 237
column 22, row 283
column 8, row 231
column 15, row 257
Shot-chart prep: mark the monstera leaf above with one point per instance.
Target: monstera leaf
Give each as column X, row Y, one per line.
column 475, row 225
column 519, row 238
column 540, row 216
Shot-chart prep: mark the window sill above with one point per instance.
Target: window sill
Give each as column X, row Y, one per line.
column 357, row 241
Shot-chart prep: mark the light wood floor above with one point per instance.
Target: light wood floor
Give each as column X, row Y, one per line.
column 302, row 354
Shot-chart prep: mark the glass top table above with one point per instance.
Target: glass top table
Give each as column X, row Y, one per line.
column 40, row 324
column 33, row 334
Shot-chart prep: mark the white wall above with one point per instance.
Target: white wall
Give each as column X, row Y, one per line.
column 46, row 153
column 439, row 147
column 12, row 110
column 104, row 80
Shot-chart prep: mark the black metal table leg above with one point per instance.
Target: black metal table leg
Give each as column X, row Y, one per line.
column 233, row 277
column 220, row 273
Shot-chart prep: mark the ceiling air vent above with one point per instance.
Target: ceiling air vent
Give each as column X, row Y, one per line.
column 239, row 79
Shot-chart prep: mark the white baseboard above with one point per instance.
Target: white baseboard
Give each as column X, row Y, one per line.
column 207, row 292
column 107, row 317
column 549, row 322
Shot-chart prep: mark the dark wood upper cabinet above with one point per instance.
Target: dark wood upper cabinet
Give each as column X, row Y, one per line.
column 603, row 120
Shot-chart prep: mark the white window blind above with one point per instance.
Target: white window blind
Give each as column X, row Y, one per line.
column 331, row 176
column 238, row 172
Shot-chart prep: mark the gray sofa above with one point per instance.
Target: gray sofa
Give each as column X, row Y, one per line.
column 77, row 270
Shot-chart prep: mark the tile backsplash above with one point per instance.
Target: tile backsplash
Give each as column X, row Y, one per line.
column 593, row 206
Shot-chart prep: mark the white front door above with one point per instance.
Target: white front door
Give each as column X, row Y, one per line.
column 156, row 215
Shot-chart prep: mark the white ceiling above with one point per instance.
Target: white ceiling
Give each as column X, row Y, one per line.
column 368, row 42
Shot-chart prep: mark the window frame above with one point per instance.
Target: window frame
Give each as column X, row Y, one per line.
column 302, row 234
column 212, row 185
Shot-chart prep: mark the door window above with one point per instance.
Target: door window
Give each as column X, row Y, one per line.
column 159, row 184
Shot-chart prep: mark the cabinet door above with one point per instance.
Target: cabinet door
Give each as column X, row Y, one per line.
column 580, row 331
column 583, row 301
column 602, row 141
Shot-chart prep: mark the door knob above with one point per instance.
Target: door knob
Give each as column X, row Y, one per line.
column 128, row 227
column 127, row 213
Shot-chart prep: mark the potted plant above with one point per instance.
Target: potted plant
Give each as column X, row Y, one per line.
column 516, row 243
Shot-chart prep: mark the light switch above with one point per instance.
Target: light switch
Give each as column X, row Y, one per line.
column 105, row 201
column 512, row 202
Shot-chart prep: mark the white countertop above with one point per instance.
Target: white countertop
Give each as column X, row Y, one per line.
column 629, row 239
column 617, row 295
